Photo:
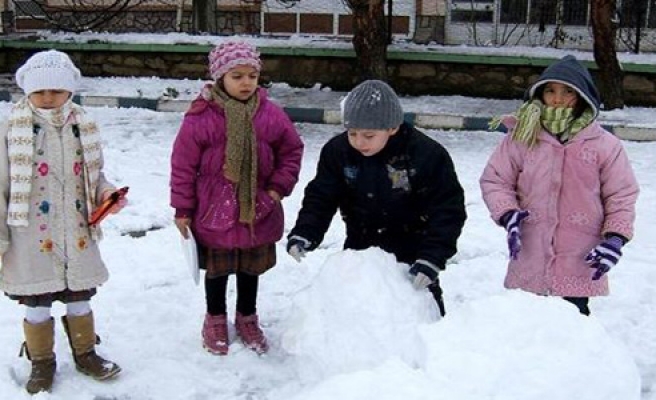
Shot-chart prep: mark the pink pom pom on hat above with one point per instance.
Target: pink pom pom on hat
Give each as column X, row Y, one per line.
column 229, row 55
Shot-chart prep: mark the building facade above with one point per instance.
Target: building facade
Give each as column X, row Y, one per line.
column 550, row 23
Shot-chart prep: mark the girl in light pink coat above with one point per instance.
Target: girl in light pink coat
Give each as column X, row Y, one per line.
column 563, row 188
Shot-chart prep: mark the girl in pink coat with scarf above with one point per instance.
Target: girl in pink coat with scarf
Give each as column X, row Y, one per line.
column 235, row 157
column 563, row 188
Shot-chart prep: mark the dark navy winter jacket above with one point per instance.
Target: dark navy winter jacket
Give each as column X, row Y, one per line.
column 406, row 199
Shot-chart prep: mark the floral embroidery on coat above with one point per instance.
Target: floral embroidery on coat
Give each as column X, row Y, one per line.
column 46, row 245
column 43, row 169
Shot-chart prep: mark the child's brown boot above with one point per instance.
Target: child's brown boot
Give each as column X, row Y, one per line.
column 82, row 338
column 38, row 345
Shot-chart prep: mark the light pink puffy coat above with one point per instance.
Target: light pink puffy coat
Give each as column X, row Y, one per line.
column 575, row 193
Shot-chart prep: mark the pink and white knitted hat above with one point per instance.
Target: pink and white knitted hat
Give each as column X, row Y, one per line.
column 228, row 55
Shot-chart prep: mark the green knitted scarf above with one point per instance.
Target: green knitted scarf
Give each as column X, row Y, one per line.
column 561, row 123
column 533, row 115
column 240, row 164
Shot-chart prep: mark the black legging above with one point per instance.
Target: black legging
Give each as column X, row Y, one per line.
column 215, row 294
column 581, row 303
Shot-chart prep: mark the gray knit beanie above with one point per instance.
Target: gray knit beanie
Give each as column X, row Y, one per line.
column 372, row 105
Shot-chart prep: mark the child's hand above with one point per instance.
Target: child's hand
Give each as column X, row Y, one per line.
column 297, row 246
column 423, row 273
column 605, row 256
column 274, row 195
column 183, row 226
column 111, row 202
column 512, row 221
column 120, row 204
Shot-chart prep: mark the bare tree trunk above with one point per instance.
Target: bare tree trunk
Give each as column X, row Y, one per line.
column 370, row 37
column 203, row 16
column 605, row 54
column 390, row 21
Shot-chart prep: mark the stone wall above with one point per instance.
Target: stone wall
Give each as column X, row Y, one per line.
column 338, row 73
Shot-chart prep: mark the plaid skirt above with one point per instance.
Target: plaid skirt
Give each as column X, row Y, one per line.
column 46, row 299
column 221, row 262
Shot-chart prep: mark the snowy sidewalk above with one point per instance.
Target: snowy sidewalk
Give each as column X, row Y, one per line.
column 321, row 105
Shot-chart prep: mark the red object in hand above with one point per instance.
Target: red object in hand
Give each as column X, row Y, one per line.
column 101, row 212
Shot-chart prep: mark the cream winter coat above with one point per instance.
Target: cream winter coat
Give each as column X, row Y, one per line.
column 575, row 193
column 56, row 251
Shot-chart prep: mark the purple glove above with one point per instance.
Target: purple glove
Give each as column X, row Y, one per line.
column 512, row 221
column 605, row 256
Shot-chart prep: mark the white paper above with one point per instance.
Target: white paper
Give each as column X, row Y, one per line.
column 190, row 251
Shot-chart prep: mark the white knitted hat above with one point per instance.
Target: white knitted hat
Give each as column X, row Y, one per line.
column 48, row 70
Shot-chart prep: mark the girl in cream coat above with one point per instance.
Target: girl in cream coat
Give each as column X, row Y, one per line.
column 51, row 180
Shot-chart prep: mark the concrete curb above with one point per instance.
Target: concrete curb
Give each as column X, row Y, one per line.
column 330, row 116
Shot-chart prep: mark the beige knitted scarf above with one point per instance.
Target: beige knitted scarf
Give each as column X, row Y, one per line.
column 241, row 149
column 20, row 150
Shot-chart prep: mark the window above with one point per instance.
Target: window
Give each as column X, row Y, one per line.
column 471, row 16
column 543, row 12
column 540, row 12
column 633, row 13
column 575, row 12
column 651, row 18
column 513, row 11
column 28, row 8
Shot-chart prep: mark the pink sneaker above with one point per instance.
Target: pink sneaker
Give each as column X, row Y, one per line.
column 215, row 334
column 248, row 329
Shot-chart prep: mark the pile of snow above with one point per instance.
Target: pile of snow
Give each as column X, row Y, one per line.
column 521, row 346
column 365, row 333
column 359, row 311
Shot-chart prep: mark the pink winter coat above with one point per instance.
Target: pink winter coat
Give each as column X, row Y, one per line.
column 200, row 190
column 575, row 193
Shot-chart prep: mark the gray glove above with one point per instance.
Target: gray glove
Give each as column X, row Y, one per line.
column 297, row 246
column 423, row 273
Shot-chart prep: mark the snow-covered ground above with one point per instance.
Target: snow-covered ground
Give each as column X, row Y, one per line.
column 347, row 325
